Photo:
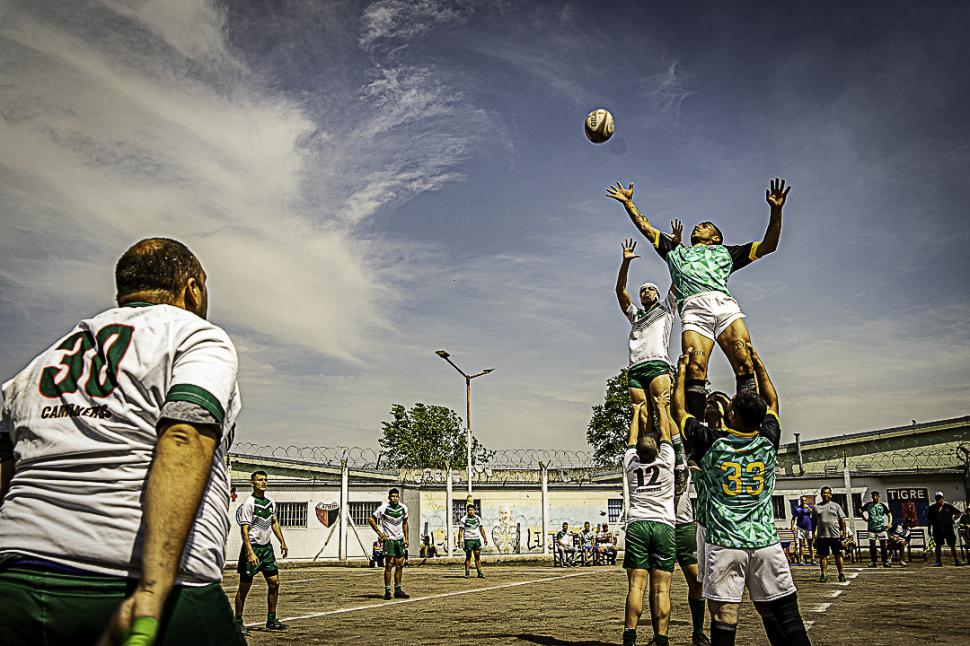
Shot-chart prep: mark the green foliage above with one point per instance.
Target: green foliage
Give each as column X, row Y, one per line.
column 427, row 437
column 610, row 424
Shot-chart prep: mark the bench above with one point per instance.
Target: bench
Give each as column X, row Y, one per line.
column 787, row 539
column 861, row 542
column 917, row 541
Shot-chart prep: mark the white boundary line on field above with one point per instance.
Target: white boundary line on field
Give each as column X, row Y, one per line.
column 433, row 596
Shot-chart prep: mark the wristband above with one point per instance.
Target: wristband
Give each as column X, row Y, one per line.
column 142, row 632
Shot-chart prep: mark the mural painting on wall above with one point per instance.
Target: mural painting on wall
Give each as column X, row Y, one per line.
column 327, row 513
column 506, row 533
column 908, row 504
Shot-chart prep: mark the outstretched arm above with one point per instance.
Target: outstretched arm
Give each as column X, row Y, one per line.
column 631, row 438
column 622, row 297
column 765, row 387
column 625, row 197
column 775, row 197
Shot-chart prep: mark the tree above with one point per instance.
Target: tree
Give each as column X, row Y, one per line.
column 610, row 424
column 427, row 437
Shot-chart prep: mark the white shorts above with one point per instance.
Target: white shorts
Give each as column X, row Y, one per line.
column 701, row 554
column 878, row 536
column 709, row 314
column 802, row 535
column 763, row 571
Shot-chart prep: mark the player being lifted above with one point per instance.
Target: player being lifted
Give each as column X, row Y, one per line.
column 468, row 526
column 742, row 548
column 393, row 532
column 650, row 543
column 699, row 274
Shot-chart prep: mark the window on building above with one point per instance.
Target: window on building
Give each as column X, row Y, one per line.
column 291, row 514
column 856, row 511
column 458, row 508
column 778, row 507
column 614, row 507
column 841, row 500
column 361, row 511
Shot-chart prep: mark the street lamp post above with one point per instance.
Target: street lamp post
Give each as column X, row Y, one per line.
column 468, row 409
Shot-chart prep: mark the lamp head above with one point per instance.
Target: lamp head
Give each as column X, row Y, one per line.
column 442, row 354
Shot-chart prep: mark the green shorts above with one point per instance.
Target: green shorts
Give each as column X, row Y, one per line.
column 686, row 544
column 650, row 546
column 641, row 374
column 42, row 607
column 472, row 544
column 267, row 562
column 394, row 548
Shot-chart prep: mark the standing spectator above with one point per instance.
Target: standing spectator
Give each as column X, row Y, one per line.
column 940, row 518
column 801, row 526
column 879, row 520
column 899, row 541
column 829, row 520
column 586, row 539
column 965, row 528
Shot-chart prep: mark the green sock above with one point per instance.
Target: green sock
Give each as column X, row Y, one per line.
column 696, row 615
column 661, row 640
column 270, row 616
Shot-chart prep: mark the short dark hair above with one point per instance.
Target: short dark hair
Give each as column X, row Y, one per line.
column 647, row 449
column 873, row 493
column 826, row 488
column 715, row 227
column 394, row 490
column 155, row 265
column 258, row 473
column 750, row 408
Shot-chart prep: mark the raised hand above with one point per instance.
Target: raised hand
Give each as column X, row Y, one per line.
column 777, row 194
column 629, row 247
column 619, row 193
column 676, row 231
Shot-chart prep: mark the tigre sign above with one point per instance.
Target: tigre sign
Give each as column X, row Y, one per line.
column 906, row 494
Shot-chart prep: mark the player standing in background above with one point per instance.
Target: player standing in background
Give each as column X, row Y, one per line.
column 650, row 543
column 940, row 517
column 393, row 532
column 699, row 274
column 829, row 520
column 257, row 521
column 879, row 519
column 468, row 526
column 112, row 469
column 742, row 548
column 801, row 526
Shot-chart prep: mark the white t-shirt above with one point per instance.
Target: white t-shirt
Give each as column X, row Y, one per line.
column 258, row 513
column 82, row 418
column 650, row 330
column 391, row 519
column 651, row 486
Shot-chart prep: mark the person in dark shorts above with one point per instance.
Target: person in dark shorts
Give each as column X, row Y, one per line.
column 257, row 521
column 828, row 517
column 940, row 518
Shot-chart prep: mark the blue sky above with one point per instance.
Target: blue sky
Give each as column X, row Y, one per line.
column 368, row 182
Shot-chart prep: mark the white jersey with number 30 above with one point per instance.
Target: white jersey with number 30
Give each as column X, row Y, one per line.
column 81, row 419
column 651, row 486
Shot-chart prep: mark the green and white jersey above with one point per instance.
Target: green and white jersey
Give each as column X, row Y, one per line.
column 703, row 268
column 258, row 513
column 390, row 518
column 472, row 526
column 739, row 470
column 650, row 331
column 651, row 486
column 81, row 423
column 877, row 512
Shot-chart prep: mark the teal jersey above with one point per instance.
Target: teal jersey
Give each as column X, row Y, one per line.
column 877, row 513
column 739, row 474
column 703, row 268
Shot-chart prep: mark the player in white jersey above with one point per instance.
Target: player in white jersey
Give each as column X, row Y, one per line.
column 650, row 546
column 393, row 532
column 649, row 369
column 258, row 523
column 112, row 469
column 469, row 527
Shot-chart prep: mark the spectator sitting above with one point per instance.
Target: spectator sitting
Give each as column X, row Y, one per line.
column 377, row 554
column 565, row 547
column 899, row 540
column 848, row 546
column 587, row 538
column 428, row 549
column 605, row 546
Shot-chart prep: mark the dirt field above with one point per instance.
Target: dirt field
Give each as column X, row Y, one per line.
column 584, row 607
